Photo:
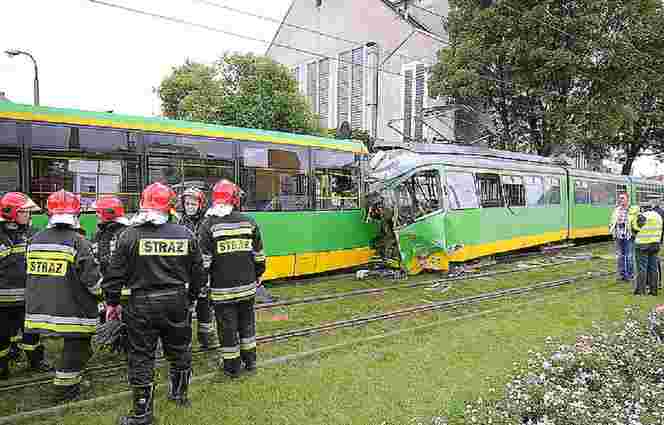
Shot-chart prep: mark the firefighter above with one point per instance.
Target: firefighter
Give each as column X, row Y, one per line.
column 157, row 259
column 111, row 221
column 193, row 201
column 233, row 251
column 15, row 231
column 648, row 228
column 62, row 280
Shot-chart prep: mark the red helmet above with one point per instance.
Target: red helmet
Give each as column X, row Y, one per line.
column 12, row 202
column 109, row 208
column 62, row 202
column 197, row 194
column 226, row 192
column 159, row 197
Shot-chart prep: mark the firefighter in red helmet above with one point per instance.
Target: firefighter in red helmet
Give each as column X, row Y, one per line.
column 193, row 203
column 111, row 221
column 233, row 253
column 15, row 231
column 161, row 264
column 62, row 283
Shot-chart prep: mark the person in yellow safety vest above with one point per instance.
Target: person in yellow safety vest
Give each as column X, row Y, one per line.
column 648, row 228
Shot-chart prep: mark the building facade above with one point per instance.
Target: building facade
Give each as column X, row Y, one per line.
column 366, row 62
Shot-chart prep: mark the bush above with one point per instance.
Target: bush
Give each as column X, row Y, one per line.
column 608, row 377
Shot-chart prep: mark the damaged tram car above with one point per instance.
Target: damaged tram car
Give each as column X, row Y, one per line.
column 446, row 204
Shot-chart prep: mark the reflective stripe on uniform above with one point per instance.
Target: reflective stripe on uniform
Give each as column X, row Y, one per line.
column 52, row 247
column 224, row 294
column 651, row 232
column 259, row 256
column 12, row 295
column 205, row 327
column 18, row 249
column 230, row 353
column 247, row 343
column 67, row 378
column 15, row 338
column 4, row 353
column 5, row 252
column 60, row 324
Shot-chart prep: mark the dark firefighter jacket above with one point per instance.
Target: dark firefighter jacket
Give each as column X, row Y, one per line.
column 191, row 223
column 153, row 258
column 62, row 279
column 233, row 247
column 13, row 242
column 105, row 241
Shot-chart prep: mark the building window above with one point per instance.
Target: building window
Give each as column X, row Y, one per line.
column 274, row 177
column 489, row 188
column 513, row 191
column 414, row 93
column 603, row 193
column 337, row 180
column 460, row 191
column 350, row 88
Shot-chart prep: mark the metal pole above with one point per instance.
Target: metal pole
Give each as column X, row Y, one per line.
column 13, row 53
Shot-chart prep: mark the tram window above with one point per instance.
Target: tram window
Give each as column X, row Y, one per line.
column 513, row 190
column 490, row 193
column 89, row 178
column 207, row 148
column 581, row 192
column 8, row 136
column 274, row 177
column 181, row 174
column 602, row 193
column 460, row 191
column 337, row 178
column 534, row 190
column 9, row 180
column 647, row 193
column 552, row 191
column 52, row 137
column 620, row 189
column 418, row 196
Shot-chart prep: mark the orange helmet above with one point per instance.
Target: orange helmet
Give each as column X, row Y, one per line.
column 197, row 194
column 158, row 197
column 12, row 202
column 62, row 202
column 109, row 208
column 226, row 192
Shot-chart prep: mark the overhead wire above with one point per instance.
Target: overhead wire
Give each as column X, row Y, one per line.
column 298, row 27
column 259, row 40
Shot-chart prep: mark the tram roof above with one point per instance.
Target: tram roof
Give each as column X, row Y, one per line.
column 16, row 111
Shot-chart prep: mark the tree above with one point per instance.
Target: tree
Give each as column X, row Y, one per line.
column 238, row 90
column 554, row 74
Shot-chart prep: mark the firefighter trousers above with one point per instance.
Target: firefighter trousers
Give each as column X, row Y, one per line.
column 204, row 315
column 238, row 337
column 151, row 315
column 11, row 318
column 76, row 351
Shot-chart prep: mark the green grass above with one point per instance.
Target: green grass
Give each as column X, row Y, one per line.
column 397, row 380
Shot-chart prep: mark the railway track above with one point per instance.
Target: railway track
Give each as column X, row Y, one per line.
column 112, row 368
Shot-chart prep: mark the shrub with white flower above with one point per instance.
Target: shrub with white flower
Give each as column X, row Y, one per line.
column 608, row 377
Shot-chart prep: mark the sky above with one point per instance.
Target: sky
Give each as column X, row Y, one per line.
column 98, row 58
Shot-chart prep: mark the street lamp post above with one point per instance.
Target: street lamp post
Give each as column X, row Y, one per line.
column 14, row 52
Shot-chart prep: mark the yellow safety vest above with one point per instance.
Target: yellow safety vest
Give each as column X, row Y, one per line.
column 651, row 231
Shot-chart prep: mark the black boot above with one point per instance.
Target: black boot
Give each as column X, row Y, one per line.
column 36, row 360
column 143, row 412
column 4, row 368
column 67, row 393
column 178, row 386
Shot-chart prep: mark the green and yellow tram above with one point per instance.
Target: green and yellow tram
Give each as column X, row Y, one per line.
column 304, row 191
column 452, row 204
